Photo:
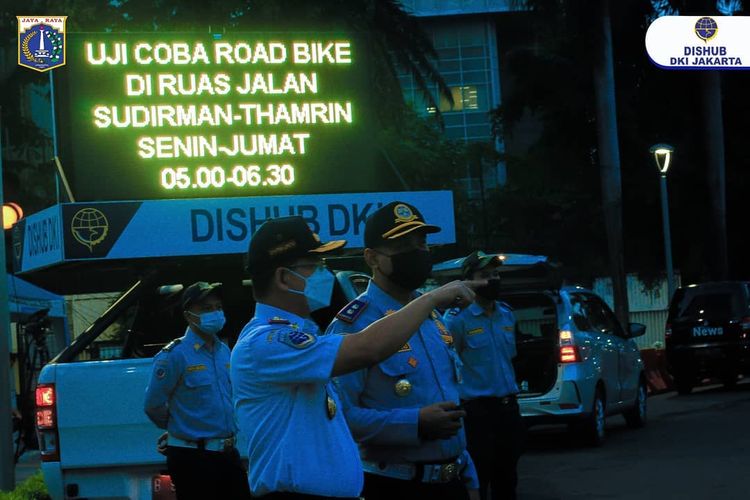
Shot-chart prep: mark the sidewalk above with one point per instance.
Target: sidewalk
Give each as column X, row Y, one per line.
column 28, row 465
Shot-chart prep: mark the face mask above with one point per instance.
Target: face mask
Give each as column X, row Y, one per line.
column 490, row 291
column 211, row 322
column 411, row 269
column 318, row 288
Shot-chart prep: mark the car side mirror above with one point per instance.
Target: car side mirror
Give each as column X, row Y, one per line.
column 636, row 330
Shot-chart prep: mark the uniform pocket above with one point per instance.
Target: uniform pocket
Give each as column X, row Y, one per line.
column 477, row 340
column 399, row 365
column 198, row 380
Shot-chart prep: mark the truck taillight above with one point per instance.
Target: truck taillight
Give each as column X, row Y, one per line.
column 45, row 395
column 45, row 419
column 569, row 354
column 667, row 331
column 46, row 423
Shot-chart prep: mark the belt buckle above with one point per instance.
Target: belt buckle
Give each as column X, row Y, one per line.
column 448, row 472
column 229, row 443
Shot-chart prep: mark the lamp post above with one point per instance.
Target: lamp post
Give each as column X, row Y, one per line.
column 663, row 157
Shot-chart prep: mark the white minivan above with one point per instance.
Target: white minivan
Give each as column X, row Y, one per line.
column 576, row 364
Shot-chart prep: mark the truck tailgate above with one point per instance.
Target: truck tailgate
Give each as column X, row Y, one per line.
column 101, row 422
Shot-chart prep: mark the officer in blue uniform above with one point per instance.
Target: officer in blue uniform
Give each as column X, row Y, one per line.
column 189, row 395
column 404, row 411
column 484, row 336
column 299, row 443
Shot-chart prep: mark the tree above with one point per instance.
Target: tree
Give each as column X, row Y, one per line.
column 711, row 101
column 575, row 20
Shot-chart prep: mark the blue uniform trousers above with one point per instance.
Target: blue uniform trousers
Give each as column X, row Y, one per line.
column 387, row 488
column 202, row 474
column 496, row 437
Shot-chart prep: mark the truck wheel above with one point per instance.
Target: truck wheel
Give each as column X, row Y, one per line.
column 636, row 417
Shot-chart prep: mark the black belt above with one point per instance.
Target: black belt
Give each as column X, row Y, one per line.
column 510, row 398
column 441, row 472
column 288, row 495
column 489, row 403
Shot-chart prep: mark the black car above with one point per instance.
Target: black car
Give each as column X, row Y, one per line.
column 708, row 333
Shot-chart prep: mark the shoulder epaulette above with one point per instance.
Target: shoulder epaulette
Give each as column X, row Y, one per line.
column 352, row 310
column 279, row 321
column 172, row 345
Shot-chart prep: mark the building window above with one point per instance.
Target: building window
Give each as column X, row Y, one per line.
column 464, row 98
column 463, row 51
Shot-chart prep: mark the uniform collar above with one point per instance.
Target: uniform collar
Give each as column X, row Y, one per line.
column 477, row 310
column 196, row 341
column 265, row 313
column 381, row 299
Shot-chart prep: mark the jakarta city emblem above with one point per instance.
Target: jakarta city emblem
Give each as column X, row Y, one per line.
column 41, row 42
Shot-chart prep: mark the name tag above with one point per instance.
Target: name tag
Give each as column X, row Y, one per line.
column 196, row 368
column 475, row 331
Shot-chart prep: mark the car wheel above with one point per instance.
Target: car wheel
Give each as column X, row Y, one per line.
column 593, row 428
column 637, row 416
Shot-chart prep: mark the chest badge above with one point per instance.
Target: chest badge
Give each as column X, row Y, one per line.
column 413, row 361
column 330, row 407
column 405, row 348
column 403, row 388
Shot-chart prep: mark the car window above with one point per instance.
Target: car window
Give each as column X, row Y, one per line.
column 590, row 313
column 579, row 308
column 708, row 302
column 606, row 318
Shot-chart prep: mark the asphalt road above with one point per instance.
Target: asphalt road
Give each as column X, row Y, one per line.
column 693, row 447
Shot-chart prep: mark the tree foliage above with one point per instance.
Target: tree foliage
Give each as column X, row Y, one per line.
column 550, row 86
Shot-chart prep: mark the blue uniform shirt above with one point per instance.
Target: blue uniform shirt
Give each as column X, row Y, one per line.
column 281, row 374
column 487, row 346
column 189, row 393
column 384, row 421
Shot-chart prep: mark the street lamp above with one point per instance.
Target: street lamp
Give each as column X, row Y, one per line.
column 663, row 157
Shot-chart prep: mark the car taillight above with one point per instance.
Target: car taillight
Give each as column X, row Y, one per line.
column 46, row 423
column 568, row 351
column 569, row 354
column 668, row 331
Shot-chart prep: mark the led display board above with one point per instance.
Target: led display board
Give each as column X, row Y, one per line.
column 171, row 115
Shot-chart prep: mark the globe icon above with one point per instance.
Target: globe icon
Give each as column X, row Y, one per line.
column 706, row 28
column 89, row 227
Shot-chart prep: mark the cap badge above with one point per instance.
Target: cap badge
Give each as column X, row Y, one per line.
column 403, row 213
